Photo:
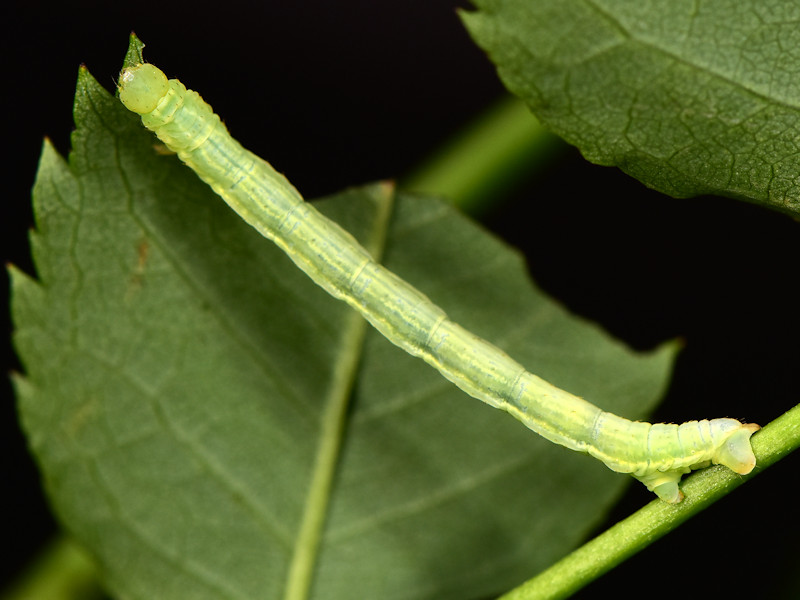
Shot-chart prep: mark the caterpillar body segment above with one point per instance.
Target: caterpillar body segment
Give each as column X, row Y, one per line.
column 658, row 455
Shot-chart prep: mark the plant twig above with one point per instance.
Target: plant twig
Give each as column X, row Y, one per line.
column 658, row 518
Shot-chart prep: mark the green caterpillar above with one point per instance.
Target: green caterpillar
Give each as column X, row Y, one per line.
column 657, row 455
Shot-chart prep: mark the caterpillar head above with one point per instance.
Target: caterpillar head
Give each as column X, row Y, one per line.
column 142, row 87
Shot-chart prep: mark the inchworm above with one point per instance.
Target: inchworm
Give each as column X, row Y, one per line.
column 657, row 455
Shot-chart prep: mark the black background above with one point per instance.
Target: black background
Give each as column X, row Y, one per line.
column 343, row 92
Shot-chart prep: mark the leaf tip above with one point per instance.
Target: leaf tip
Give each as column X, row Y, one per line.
column 133, row 56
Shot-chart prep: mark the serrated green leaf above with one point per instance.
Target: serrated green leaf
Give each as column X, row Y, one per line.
column 182, row 378
column 690, row 98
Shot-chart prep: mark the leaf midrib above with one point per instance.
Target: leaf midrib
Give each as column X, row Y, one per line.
column 333, row 424
column 707, row 69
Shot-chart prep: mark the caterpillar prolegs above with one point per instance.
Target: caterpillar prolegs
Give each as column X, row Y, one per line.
column 658, row 455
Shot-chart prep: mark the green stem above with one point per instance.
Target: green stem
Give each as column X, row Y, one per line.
column 642, row 528
column 63, row 571
column 491, row 154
